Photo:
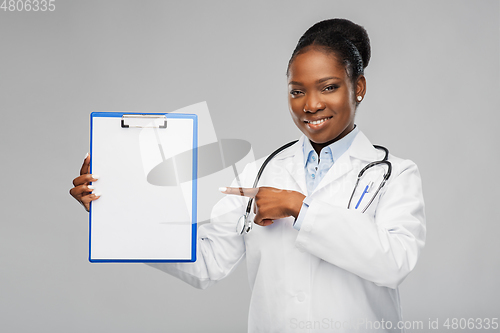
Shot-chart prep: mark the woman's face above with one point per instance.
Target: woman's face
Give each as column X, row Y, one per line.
column 322, row 98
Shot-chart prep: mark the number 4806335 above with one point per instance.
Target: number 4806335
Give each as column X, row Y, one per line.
column 28, row 5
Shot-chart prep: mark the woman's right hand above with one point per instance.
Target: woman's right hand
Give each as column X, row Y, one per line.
column 82, row 191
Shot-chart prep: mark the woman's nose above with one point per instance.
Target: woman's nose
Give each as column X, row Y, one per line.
column 314, row 103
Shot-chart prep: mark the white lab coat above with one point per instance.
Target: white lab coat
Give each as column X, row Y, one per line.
column 341, row 271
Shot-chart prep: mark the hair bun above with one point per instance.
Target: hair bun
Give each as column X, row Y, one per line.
column 354, row 33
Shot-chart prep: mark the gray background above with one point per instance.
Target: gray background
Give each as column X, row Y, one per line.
column 433, row 97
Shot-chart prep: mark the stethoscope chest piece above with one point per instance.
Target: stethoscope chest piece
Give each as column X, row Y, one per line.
column 243, row 226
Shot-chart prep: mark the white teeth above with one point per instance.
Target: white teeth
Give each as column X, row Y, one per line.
column 316, row 122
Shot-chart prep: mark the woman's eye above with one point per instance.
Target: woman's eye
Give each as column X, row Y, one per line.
column 330, row 87
column 295, row 93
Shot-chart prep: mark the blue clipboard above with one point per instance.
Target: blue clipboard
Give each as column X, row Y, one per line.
column 147, row 166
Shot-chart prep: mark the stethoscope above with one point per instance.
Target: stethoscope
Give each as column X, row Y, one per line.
column 244, row 224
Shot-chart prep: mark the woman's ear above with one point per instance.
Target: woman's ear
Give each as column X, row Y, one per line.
column 360, row 88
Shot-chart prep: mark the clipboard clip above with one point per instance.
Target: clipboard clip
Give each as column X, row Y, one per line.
column 143, row 121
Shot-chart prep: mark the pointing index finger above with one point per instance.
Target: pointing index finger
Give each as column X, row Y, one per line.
column 245, row 192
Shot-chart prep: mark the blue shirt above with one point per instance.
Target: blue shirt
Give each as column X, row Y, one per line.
column 316, row 166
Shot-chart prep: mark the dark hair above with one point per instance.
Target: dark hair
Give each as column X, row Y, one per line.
column 347, row 40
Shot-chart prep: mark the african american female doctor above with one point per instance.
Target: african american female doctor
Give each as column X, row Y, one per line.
column 315, row 265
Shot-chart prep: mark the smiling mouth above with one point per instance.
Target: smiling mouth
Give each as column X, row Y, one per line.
column 317, row 122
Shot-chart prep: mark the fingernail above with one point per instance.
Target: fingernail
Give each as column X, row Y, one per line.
column 86, row 155
column 90, row 187
column 223, row 189
column 97, row 194
column 95, row 176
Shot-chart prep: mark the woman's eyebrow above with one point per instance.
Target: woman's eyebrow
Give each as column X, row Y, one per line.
column 328, row 78
column 318, row 81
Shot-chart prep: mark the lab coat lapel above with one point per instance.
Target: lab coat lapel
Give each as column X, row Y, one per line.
column 293, row 160
column 338, row 169
column 361, row 149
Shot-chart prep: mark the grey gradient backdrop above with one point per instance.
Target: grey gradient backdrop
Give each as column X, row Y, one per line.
column 433, row 97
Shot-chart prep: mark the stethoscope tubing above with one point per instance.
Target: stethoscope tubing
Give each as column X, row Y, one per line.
column 244, row 226
column 384, row 180
column 248, row 226
column 268, row 159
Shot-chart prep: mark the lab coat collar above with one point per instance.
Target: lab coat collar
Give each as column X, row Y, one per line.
column 293, row 151
column 361, row 148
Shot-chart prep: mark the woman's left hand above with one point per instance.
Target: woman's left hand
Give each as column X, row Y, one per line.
column 270, row 203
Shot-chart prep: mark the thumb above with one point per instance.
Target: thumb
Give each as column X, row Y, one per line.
column 86, row 165
column 258, row 219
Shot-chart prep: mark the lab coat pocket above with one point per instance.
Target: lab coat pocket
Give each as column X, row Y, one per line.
column 366, row 194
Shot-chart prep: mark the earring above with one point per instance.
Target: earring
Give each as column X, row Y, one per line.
column 360, row 98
